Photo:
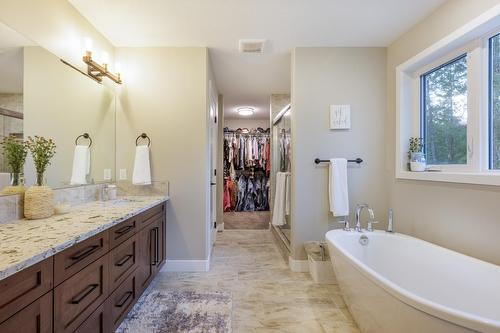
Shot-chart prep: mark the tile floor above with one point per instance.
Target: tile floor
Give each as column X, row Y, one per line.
column 247, row 220
column 267, row 296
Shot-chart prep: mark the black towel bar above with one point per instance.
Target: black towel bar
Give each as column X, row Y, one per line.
column 358, row 160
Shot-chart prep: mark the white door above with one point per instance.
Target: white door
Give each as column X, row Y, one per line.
column 213, row 132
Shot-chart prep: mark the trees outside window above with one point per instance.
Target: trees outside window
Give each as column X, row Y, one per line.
column 444, row 113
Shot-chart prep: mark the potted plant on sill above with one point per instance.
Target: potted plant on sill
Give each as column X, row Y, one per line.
column 14, row 151
column 416, row 155
column 39, row 199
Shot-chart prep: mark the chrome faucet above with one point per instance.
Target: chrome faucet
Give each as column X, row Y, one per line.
column 371, row 220
column 390, row 223
column 345, row 222
column 104, row 192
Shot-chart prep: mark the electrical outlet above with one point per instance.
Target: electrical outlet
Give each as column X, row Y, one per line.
column 123, row 174
column 107, row 174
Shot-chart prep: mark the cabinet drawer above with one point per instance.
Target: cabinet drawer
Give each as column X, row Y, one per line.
column 121, row 301
column 72, row 260
column 20, row 289
column 35, row 318
column 98, row 322
column 76, row 298
column 151, row 215
column 122, row 261
column 121, row 232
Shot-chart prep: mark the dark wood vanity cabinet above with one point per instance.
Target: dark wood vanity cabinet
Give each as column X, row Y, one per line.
column 89, row 287
column 151, row 252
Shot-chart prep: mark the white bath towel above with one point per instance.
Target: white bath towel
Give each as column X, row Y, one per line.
column 279, row 209
column 142, row 169
column 81, row 165
column 338, row 192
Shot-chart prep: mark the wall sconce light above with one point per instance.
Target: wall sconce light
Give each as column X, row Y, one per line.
column 97, row 71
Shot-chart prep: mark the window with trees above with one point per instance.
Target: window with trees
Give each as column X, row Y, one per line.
column 448, row 95
column 444, row 112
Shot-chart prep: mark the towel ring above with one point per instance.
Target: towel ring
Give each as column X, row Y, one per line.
column 143, row 136
column 85, row 136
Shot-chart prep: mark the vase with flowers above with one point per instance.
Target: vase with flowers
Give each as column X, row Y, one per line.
column 14, row 152
column 39, row 199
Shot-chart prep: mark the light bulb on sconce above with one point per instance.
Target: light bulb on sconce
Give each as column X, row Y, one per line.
column 118, row 69
column 88, row 45
column 97, row 71
column 105, row 58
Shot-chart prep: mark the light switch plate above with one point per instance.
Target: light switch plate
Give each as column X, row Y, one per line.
column 107, row 174
column 123, row 174
column 340, row 116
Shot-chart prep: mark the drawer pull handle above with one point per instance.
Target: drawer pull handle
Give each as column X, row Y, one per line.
column 124, row 299
column 87, row 291
column 123, row 260
column 86, row 252
column 124, row 230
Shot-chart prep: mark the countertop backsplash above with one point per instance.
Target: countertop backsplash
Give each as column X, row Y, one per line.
column 11, row 206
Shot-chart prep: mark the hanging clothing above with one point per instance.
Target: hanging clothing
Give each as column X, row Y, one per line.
column 247, row 165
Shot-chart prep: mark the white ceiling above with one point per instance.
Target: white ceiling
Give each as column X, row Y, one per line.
column 249, row 79
column 11, row 60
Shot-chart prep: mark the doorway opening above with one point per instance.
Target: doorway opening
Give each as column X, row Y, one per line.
column 247, row 168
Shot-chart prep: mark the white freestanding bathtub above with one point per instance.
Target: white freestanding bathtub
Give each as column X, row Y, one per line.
column 400, row 284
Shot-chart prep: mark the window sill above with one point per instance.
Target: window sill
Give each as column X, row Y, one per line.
column 477, row 178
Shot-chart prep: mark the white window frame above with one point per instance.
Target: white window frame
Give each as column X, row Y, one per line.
column 472, row 39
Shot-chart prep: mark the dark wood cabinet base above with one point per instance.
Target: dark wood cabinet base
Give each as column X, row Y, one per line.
column 89, row 287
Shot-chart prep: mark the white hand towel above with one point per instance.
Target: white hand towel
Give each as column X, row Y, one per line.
column 81, row 165
column 280, row 199
column 338, row 193
column 142, row 169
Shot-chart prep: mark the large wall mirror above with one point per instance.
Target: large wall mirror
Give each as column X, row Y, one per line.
column 41, row 95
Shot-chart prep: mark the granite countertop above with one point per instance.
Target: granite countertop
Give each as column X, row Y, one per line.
column 26, row 242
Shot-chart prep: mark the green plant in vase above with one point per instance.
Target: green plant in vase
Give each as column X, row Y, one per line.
column 14, row 152
column 39, row 199
column 42, row 150
column 416, row 154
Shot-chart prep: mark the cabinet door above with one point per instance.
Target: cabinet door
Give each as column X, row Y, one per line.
column 21, row 289
column 79, row 256
column 98, row 322
column 122, row 260
column 146, row 267
column 76, row 298
column 35, row 318
column 162, row 242
column 121, row 301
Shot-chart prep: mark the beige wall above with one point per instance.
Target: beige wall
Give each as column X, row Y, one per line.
column 165, row 95
column 55, row 25
column 320, row 77
column 460, row 217
column 61, row 104
column 234, row 124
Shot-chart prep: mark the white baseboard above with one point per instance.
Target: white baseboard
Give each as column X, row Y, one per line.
column 220, row 227
column 173, row 265
column 298, row 265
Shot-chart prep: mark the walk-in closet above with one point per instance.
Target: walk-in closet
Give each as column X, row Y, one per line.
column 247, row 168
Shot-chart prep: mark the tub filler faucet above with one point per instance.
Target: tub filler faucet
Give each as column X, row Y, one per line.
column 371, row 220
column 390, row 222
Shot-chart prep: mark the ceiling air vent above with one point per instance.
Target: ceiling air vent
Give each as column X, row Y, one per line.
column 252, row 45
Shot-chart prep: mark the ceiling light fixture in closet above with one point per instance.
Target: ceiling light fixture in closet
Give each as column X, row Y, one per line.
column 245, row 111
